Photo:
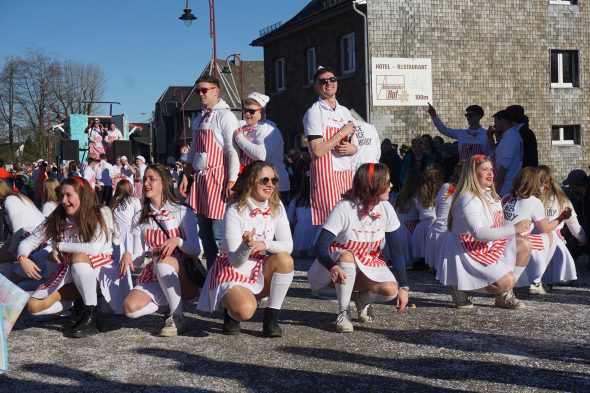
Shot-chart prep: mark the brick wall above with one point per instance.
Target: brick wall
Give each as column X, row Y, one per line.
column 491, row 53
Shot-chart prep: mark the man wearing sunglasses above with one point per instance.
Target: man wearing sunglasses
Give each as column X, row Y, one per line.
column 328, row 127
column 213, row 159
column 473, row 140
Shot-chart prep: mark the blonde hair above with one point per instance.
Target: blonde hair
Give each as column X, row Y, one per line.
column 247, row 181
column 50, row 191
column 6, row 191
column 468, row 183
column 526, row 183
column 552, row 189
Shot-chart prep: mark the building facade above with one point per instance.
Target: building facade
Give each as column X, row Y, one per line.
column 493, row 54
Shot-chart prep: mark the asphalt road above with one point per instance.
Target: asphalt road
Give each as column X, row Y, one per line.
column 430, row 347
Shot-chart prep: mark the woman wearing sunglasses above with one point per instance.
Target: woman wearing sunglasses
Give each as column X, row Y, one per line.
column 254, row 260
column 349, row 254
column 260, row 139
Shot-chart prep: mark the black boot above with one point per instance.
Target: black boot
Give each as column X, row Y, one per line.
column 87, row 324
column 270, row 324
column 231, row 327
column 76, row 312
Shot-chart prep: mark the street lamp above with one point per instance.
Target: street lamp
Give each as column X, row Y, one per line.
column 237, row 61
column 187, row 17
column 185, row 146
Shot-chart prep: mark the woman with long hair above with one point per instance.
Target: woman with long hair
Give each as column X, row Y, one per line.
column 81, row 232
column 522, row 202
column 431, row 182
column 407, row 212
column 168, row 231
column 562, row 267
column 255, row 260
column 439, row 229
column 348, row 250
column 483, row 253
column 49, row 196
column 299, row 213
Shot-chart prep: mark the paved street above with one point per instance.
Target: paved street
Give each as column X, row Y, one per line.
column 431, row 347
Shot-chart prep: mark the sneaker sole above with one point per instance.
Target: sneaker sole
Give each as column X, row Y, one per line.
column 345, row 330
column 464, row 307
column 168, row 332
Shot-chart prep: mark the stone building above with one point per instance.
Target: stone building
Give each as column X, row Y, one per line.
column 491, row 53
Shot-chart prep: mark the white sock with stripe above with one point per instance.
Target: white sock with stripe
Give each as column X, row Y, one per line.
column 170, row 284
column 344, row 291
column 518, row 271
column 279, row 285
column 55, row 308
column 149, row 308
column 84, row 277
column 369, row 297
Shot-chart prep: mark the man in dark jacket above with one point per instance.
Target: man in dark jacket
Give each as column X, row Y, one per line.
column 529, row 140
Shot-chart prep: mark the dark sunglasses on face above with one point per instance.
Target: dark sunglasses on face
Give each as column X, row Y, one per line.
column 250, row 111
column 325, row 81
column 264, row 181
column 204, row 90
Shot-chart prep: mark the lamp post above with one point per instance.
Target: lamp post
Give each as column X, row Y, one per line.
column 185, row 146
column 187, row 17
column 237, row 61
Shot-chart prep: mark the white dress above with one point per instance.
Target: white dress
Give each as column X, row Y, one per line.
column 439, row 228
column 518, row 209
column 178, row 221
column 426, row 217
column 234, row 265
column 123, row 215
column 304, row 232
column 362, row 236
column 481, row 249
column 408, row 217
column 562, row 266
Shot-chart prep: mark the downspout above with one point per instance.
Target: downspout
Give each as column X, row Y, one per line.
column 367, row 92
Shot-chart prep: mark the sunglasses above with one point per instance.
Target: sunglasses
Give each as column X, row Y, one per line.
column 250, row 111
column 325, row 81
column 264, row 181
column 204, row 90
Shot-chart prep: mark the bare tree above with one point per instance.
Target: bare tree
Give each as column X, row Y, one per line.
column 75, row 83
column 8, row 98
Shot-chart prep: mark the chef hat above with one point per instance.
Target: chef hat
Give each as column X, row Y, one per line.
column 259, row 98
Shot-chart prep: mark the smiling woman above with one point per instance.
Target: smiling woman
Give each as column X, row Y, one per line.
column 255, row 260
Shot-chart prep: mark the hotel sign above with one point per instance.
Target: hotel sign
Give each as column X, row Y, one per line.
column 401, row 82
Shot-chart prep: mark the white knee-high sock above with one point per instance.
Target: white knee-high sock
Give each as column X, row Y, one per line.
column 84, row 277
column 344, row 291
column 55, row 308
column 279, row 285
column 149, row 308
column 518, row 271
column 170, row 284
column 369, row 297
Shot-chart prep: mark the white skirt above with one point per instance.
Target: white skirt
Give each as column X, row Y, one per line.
column 319, row 276
column 467, row 271
column 222, row 276
column 406, row 230
column 540, row 257
column 419, row 244
column 562, row 266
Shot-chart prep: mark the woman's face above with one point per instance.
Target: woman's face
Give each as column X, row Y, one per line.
column 384, row 196
column 152, row 185
column 264, row 187
column 485, row 174
column 70, row 200
column 252, row 114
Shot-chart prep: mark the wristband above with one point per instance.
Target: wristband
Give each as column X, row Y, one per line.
column 406, row 288
column 21, row 258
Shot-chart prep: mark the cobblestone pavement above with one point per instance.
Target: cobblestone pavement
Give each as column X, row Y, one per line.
column 431, row 347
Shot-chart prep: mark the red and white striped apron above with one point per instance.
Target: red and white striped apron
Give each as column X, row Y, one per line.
column 154, row 239
column 223, row 272
column 368, row 253
column 207, row 195
column 485, row 253
column 245, row 159
column 326, row 184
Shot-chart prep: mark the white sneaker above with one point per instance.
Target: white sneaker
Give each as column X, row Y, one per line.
column 173, row 326
column 508, row 301
column 365, row 311
column 344, row 322
column 537, row 289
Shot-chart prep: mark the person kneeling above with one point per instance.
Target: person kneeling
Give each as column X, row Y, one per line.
column 348, row 250
column 255, row 260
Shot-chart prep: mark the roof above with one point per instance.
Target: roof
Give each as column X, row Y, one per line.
column 316, row 9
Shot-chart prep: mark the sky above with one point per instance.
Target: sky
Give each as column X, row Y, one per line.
column 141, row 45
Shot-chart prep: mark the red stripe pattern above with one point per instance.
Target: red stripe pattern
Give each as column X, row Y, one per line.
column 207, row 196
column 470, row 149
column 154, row 239
column 368, row 253
column 411, row 225
column 536, row 242
column 223, row 272
column 245, row 159
column 485, row 253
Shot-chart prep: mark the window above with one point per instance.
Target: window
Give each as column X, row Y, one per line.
column 311, row 64
column 564, row 2
column 565, row 135
column 347, row 53
column 280, row 74
column 564, row 68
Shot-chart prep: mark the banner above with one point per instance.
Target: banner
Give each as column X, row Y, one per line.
column 401, row 82
column 12, row 302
